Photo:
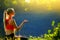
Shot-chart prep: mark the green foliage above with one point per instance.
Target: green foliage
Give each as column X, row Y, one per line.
column 49, row 31
column 53, row 23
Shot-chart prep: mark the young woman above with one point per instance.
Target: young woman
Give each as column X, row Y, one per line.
column 10, row 24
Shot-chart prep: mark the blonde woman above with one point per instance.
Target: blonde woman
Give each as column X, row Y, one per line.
column 10, row 24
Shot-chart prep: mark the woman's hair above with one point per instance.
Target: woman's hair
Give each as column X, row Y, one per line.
column 9, row 10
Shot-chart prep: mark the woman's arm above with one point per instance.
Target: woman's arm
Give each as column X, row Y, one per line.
column 25, row 21
column 19, row 27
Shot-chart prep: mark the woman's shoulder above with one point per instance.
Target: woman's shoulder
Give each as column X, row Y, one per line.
column 13, row 19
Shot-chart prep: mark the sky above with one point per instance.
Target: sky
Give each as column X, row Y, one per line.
column 39, row 13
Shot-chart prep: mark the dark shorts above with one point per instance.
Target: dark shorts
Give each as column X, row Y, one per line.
column 9, row 36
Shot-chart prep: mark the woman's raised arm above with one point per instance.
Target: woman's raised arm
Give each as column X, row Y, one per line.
column 19, row 27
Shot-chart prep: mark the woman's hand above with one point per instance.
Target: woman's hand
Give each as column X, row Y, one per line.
column 25, row 21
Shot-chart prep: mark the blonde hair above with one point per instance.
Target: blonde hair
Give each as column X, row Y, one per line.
column 9, row 10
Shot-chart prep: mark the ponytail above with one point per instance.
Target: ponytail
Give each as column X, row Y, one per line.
column 4, row 18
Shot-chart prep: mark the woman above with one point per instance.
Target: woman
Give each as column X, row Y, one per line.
column 10, row 24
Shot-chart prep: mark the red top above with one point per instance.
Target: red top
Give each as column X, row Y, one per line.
column 9, row 26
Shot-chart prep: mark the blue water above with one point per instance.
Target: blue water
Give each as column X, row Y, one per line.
column 38, row 24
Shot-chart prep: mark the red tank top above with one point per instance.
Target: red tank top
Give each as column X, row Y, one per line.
column 9, row 26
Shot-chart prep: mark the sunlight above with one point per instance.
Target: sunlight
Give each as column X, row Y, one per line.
column 38, row 5
column 28, row 1
column 14, row 2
